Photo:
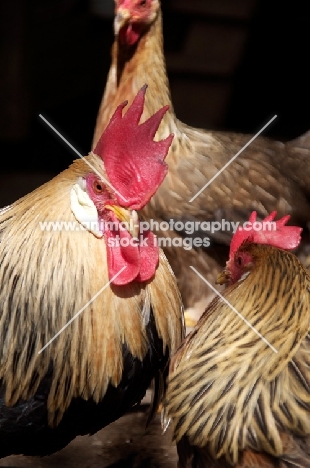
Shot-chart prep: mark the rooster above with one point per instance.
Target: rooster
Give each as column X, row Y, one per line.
column 66, row 371
column 267, row 175
column 239, row 386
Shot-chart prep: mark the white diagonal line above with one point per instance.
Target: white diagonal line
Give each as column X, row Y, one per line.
column 234, row 310
column 232, row 159
column 84, row 159
column 83, row 308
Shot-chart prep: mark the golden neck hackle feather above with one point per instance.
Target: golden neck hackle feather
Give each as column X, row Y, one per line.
column 48, row 278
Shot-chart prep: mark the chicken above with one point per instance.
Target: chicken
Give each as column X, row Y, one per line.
column 238, row 390
column 75, row 243
column 267, row 175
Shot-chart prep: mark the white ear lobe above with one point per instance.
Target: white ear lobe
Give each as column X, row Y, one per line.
column 84, row 210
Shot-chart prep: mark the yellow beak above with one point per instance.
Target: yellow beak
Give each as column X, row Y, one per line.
column 223, row 277
column 121, row 18
column 125, row 216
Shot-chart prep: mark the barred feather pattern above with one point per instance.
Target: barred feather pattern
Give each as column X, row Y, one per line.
column 228, row 391
column 47, row 278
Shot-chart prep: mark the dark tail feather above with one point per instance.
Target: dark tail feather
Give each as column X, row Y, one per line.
column 157, row 396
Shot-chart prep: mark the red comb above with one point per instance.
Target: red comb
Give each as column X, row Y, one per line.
column 281, row 236
column 134, row 162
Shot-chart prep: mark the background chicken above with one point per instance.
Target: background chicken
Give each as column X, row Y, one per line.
column 239, row 386
column 102, row 364
column 265, row 176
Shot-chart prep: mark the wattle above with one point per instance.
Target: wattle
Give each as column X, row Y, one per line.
column 149, row 256
column 129, row 35
column 124, row 251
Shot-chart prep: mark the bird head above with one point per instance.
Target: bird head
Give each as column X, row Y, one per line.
column 268, row 232
column 132, row 17
column 134, row 167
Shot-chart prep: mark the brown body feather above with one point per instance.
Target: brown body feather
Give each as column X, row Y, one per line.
column 46, row 278
column 231, row 397
column 268, row 175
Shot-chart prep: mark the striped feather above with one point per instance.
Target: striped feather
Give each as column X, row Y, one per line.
column 228, row 391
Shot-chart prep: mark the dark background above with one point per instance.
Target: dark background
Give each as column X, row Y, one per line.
column 231, row 64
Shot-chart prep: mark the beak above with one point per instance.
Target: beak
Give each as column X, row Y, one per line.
column 125, row 216
column 223, row 277
column 122, row 17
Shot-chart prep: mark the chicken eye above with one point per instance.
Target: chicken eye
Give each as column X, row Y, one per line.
column 98, row 186
column 142, row 3
column 239, row 261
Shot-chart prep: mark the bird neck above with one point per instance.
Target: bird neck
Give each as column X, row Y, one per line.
column 131, row 68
